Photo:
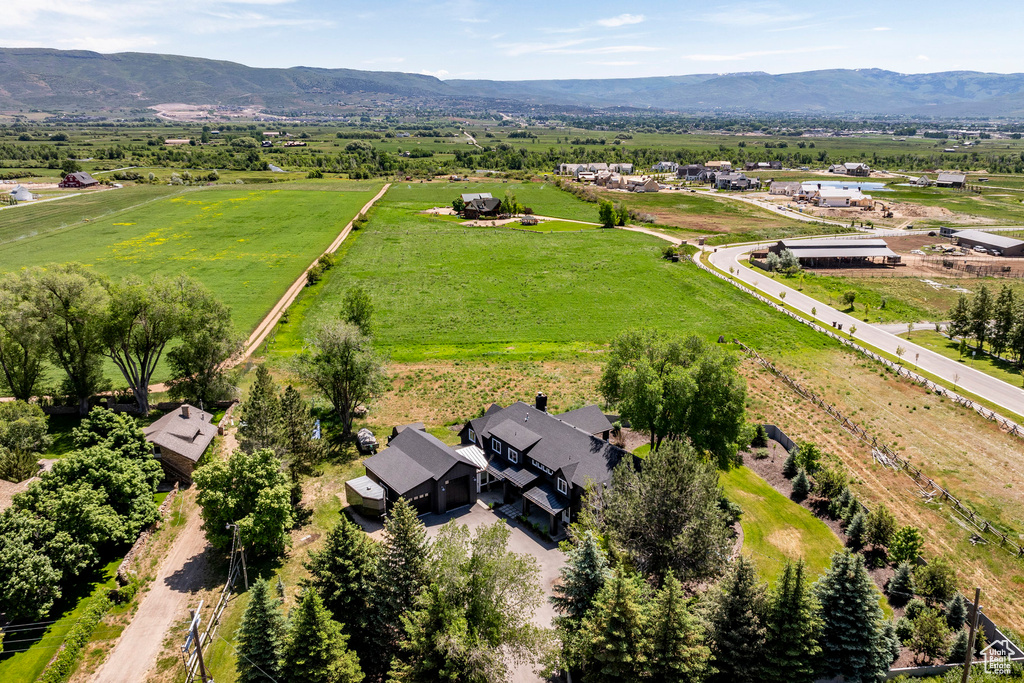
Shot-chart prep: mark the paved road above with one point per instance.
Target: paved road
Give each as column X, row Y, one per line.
column 167, row 600
column 965, row 377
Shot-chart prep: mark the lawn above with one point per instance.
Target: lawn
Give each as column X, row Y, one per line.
column 990, row 365
column 246, row 244
column 544, row 198
column 776, row 529
column 28, row 650
column 442, row 291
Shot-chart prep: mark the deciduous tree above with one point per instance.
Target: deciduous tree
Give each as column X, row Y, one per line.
column 906, row 545
column 880, row 526
column 198, row 364
column 935, row 580
column 980, row 316
column 931, row 635
column 29, row 583
column 357, row 309
column 23, row 340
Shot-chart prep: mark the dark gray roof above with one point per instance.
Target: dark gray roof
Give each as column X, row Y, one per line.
column 544, row 497
column 516, row 435
column 485, row 204
column 412, row 458
column 188, row 436
column 588, row 418
column 582, row 457
column 395, row 431
column 516, row 474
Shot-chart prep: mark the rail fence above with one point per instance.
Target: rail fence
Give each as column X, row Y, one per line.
column 192, row 663
column 1004, row 423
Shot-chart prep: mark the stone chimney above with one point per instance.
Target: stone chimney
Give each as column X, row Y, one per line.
column 184, row 412
column 541, row 402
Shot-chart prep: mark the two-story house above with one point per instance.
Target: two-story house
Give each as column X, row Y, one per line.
column 544, row 460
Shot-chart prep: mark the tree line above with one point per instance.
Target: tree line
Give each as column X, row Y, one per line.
column 998, row 321
column 74, row 319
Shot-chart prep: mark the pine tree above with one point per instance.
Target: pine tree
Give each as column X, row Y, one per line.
column 1002, row 323
column 901, row 585
column 618, row 631
column 906, row 545
column 960, row 318
column 956, row 612
column 316, row 650
column 401, row 576
column 678, row 653
column 793, row 626
column 851, row 510
column 260, row 414
column 341, row 573
column 853, row 638
column 958, row 649
column 981, row 314
column 261, row 637
column 297, row 423
column 736, row 618
column 789, row 467
column 801, row 486
column 1016, row 340
column 582, row 578
column 855, row 531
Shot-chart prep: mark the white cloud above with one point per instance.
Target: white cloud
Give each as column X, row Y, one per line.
column 881, row 28
column 384, row 60
column 605, row 50
column 923, row 58
column 740, row 56
column 440, row 73
column 621, row 20
column 606, row 63
column 520, row 49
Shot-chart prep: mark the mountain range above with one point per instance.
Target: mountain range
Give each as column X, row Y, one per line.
column 75, row 80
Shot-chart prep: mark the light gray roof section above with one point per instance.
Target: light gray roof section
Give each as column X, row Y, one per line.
column 951, row 178
column 188, row 436
column 470, row 196
column 863, row 252
column 366, row 488
column 825, row 243
column 590, row 419
column 515, row 434
column 1000, row 241
column 474, row 455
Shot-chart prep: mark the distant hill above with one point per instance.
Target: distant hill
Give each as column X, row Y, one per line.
column 79, row 80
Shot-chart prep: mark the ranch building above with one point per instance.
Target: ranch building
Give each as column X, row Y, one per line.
column 179, row 439
column 956, row 180
column 990, row 241
column 21, row 194
column 839, row 253
column 78, row 179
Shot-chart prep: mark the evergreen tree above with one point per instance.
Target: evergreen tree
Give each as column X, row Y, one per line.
column 618, row 630
column 789, row 467
column 854, row 641
column 260, row 415
column 958, row 649
column 793, row 626
column 297, row 423
column 736, row 613
column 801, row 486
column 1016, row 340
column 1002, row 323
column 931, row 635
column 906, row 545
column 401, row 575
column 936, row 580
column 582, row 578
column 316, row 650
column 678, row 653
column 901, row 585
column 960, row 318
column 956, row 612
column 853, row 508
column 341, row 573
column 260, row 639
column 981, row 314
column 855, row 532
column 880, row 526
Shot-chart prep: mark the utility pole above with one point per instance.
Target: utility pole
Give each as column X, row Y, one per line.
column 970, row 638
column 199, row 648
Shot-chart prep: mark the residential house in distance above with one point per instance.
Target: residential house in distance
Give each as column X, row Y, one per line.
column 643, row 185
column 22, row 194
column 719, row 165
column 736, row 181
column 611, row 180
column 179, row 439
column 665, row 167
column 838, row 197
column 788, row 189
column 480, row 204
column 854, row 169
column 923, row 181
column 542, row 460
column 78, row 179
column 624, row 168
column 762, row 165
column 956, row 180
column 694, row 173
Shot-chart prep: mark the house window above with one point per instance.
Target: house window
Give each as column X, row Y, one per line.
column 563, row 487
column 513, row 455
column 472, row 436
column 495, row 445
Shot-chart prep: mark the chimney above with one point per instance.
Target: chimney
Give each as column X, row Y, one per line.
column 184, row 412
column 542, row 402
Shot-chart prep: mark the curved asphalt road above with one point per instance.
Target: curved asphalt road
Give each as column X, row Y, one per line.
column 974, row 381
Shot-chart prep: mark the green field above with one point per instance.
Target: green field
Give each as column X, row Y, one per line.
column 544, row 198
column 246, row 244
column 442, row 291
column 776, row 529
column 932, row 340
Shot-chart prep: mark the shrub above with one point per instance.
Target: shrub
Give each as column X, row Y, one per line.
column 64, row 663
column 853, row 508
column 914, row 608
column 731, row 510
column 315, row 274
column 881, row 526
column 904, row 629
column 830, row 482
column 935, row 581
column 801, row 486
column 789, row 467
column 956, row 612
column 906, row 545
column 855, row 530
column 760, row 439
column 931, row 635
column 958, row 649
column 901, row 585
column 760, row 454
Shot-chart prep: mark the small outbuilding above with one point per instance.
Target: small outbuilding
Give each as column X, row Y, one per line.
column 957, row 180
column 78, row 179
column 990, row 242
column 179, row 440
column 21, row 194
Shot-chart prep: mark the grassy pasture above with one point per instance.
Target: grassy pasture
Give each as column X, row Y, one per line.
column 776, row 529
column 246, row 244
column 932, row 340
column 545, row 199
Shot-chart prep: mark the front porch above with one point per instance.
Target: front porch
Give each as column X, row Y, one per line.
column 520, row 496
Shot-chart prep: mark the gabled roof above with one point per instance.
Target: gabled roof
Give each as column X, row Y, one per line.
column 485, row 204
column 82, row 177
column 412, row 458
column 517, row 436
column 990, row 238
column 580, row 456
column 951, row 178
column 589, row 419
column 188, row 436
column 470, row 196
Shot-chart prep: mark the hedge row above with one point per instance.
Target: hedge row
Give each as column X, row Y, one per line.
column 64, row 663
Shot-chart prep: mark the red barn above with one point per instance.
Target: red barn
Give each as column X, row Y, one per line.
column 79, row 179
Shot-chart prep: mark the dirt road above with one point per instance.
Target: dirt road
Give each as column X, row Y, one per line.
column 167, row 600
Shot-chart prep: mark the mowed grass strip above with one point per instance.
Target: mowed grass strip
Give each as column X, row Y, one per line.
column 246, row 244
column 446, row 292
column 776, row 529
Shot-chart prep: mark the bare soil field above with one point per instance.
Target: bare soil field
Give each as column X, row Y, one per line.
column 964, row 453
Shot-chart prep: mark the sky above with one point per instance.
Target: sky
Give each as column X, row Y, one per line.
column 537, row 40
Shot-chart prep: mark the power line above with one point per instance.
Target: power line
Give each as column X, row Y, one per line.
column 246, row 658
